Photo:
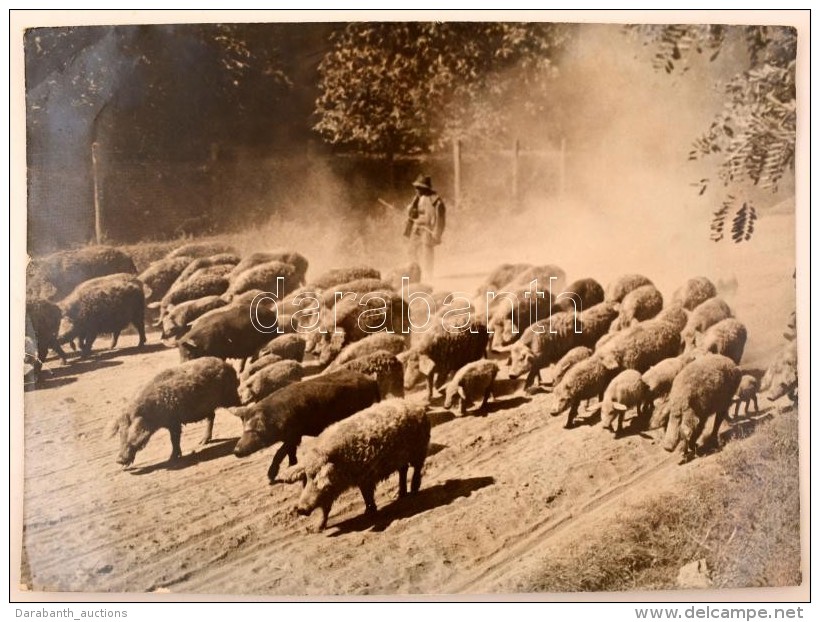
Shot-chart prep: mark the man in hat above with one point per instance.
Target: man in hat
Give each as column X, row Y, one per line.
column 425, row 224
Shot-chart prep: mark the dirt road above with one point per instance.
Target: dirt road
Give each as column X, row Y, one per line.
column 495, row 488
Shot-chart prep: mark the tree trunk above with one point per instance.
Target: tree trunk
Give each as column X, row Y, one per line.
column 99, row 233
column 456, row 173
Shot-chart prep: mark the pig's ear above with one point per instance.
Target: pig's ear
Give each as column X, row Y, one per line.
column 337, row 340
column 114, row 426
column 188, row 344
column 324, row 478
column 609, row 361
column 153, row 305
column 619, row 406
column 426, row 364
column 295, row 474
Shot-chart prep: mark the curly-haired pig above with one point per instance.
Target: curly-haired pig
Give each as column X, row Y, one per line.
column 303, row 408
column 361, row 451
column 183, row 394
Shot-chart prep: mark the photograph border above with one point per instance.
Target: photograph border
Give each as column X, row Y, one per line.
column 20, row 20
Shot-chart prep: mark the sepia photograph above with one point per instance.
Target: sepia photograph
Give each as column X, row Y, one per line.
column 436, row 306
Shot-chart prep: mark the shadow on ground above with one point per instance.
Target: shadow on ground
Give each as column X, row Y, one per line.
column 426, row 499
column 203, row 453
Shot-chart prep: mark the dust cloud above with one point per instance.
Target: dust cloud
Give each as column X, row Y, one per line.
column 628, row 203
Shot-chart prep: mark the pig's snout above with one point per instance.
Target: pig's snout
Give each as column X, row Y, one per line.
column 302, row 510
column 246, row 445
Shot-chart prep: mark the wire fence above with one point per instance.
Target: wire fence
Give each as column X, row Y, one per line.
column 141, row 198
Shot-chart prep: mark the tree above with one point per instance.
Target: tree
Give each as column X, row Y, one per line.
column 147, row 95
column 753, row 138
column 162, row 88
column 392, row 88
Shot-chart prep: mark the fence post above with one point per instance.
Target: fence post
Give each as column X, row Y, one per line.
column 457, row 172
column 98, row 228
column 562, row 167
column 515, row 151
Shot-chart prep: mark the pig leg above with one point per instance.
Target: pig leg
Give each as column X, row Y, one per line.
column 737, row 408
column 620, row 425
column 86, row 343
column 693, row 426
column 139, row 324
column 114, row 338
column 292, row 455
column 430, row 387
column 754, row 399
column 324, row 509
column 415, row 483
column 487, row 395
column 56, row 347
column 280, row 454
column 176, row 433
column 209, row 430
column 441, row 380
column 533, row 378
column 368, row 490
column 573, row 410
column 714, row 440
column 403, row 480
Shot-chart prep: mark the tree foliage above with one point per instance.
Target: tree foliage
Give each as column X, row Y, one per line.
column 753, row 137
column 391, row 88
column 159, row 87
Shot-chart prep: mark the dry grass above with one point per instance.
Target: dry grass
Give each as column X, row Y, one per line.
column 743, row 517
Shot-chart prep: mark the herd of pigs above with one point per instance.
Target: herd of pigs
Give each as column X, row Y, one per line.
column 332, row 356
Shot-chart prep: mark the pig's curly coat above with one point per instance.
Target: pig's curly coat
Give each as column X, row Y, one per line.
column 544, row 343
column 103, row 305
column 289, row 346
column 695, row 291
column 626, row 390
column 193, row 288
column 727, row 337
column 620, row 287
column 364, row 449
column 395, row 344
column 596, row 321
column 642, row 303
column 574, row 356
column 265, row 277
column 706, row 386
column 441, row 352
column 270, row 378
column 183, row 394
column 641, row 346
column 584, row 380
column 178, row 318
column 703, row 316
column 297, row 260
column 221, row 259
column 471, row 384
column 336, row 276
column 160, row 276
column 385, row 368
column 61, row 272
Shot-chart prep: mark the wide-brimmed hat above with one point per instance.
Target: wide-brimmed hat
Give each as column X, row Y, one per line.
column 423, row 182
